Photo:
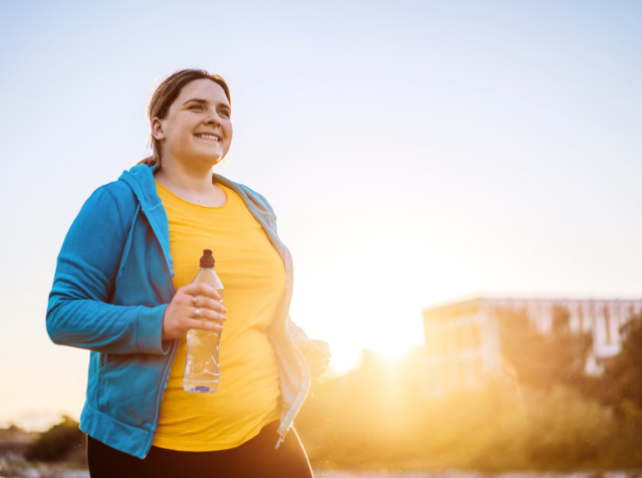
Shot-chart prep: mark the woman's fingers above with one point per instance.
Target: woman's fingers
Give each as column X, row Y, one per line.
column 207, row 314
column 204, row 325
column 316, row 349
column 203, row 302
column 195, row 306
column 321, row 354
column 317, row 354
column 317, row 370
column 320, row 363
column 200, row 289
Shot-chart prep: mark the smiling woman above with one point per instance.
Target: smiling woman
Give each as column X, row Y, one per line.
column 124, row 290
column 195, row 132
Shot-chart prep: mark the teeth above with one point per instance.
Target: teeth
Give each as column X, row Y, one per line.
column 209, row 136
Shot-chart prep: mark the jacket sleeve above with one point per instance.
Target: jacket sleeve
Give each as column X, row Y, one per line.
column 295, row 331
column 79, row 313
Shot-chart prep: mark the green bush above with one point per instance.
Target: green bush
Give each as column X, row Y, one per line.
column 57, row 443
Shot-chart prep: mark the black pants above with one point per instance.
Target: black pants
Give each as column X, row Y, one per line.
column 255, row 458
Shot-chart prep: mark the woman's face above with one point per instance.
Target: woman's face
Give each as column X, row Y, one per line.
column 198, row 125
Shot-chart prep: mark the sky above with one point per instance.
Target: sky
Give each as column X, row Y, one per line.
column 415, row 152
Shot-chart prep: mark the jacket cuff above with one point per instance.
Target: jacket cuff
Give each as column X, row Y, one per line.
column 150, row 331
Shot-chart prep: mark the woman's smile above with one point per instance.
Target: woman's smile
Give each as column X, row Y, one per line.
column 208, row 136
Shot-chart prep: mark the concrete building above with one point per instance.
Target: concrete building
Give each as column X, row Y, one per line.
column 462, row 339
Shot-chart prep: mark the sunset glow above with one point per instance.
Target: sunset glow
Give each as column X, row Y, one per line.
column 414, row 152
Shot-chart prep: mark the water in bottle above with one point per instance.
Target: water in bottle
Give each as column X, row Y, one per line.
column 202, row 369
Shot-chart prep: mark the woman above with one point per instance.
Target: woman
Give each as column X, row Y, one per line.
column 123, row 290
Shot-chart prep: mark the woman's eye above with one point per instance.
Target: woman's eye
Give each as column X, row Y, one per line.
column 224, row 114
column 196, row 107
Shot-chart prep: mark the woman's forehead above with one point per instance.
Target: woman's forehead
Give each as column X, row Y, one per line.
column 203, row 89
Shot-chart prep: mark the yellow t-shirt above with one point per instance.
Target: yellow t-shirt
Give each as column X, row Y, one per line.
column 253, row 275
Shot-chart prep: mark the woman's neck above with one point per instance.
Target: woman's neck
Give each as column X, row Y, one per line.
column 191, row 184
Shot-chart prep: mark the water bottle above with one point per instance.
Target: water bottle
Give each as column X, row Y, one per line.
column 202, row 371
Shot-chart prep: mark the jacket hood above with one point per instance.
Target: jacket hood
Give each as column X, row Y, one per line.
column 141, row 181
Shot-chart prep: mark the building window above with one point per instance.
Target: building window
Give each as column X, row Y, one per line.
column 607, row 325
column 452, row 376
column 476, row 333
column 479, row 371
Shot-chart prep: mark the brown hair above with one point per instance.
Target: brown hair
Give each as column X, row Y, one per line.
column 164, row 96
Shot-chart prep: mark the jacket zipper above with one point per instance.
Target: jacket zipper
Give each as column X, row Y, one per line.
column 302, row 366
column 281, row 438
column 173, row 351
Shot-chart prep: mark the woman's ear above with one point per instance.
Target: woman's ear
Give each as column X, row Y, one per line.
column 157, row 129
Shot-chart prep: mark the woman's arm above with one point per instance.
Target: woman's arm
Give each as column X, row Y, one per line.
column 78, row 314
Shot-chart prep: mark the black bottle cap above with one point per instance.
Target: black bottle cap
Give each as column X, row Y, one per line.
column 207, row 261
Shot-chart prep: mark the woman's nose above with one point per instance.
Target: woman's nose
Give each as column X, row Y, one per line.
column 213, row 118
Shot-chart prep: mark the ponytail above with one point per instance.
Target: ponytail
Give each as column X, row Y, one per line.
column 150, row 161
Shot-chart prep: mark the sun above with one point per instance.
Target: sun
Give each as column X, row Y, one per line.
column 392, row 351
column 347, row 357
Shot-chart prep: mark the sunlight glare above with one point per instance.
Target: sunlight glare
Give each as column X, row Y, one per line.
column 392, row 351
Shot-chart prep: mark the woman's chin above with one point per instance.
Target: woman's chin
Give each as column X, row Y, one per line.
column 206, row 160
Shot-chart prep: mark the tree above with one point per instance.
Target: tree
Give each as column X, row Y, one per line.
column 621, row 381
column 544, row 360
column 57, row 443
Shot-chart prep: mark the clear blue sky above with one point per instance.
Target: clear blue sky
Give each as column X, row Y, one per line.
column 415, row 152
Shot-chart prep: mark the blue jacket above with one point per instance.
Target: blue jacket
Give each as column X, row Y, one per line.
column 113, row 281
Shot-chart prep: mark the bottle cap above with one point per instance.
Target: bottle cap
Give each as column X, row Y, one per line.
column 207, row 261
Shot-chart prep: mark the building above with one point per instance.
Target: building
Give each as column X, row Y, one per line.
column 462, row 348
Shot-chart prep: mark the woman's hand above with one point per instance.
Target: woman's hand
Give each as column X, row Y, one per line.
column 317, row 354
column 189, row 307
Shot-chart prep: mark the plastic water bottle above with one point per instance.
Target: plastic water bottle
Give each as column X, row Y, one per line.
column 202, row 371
